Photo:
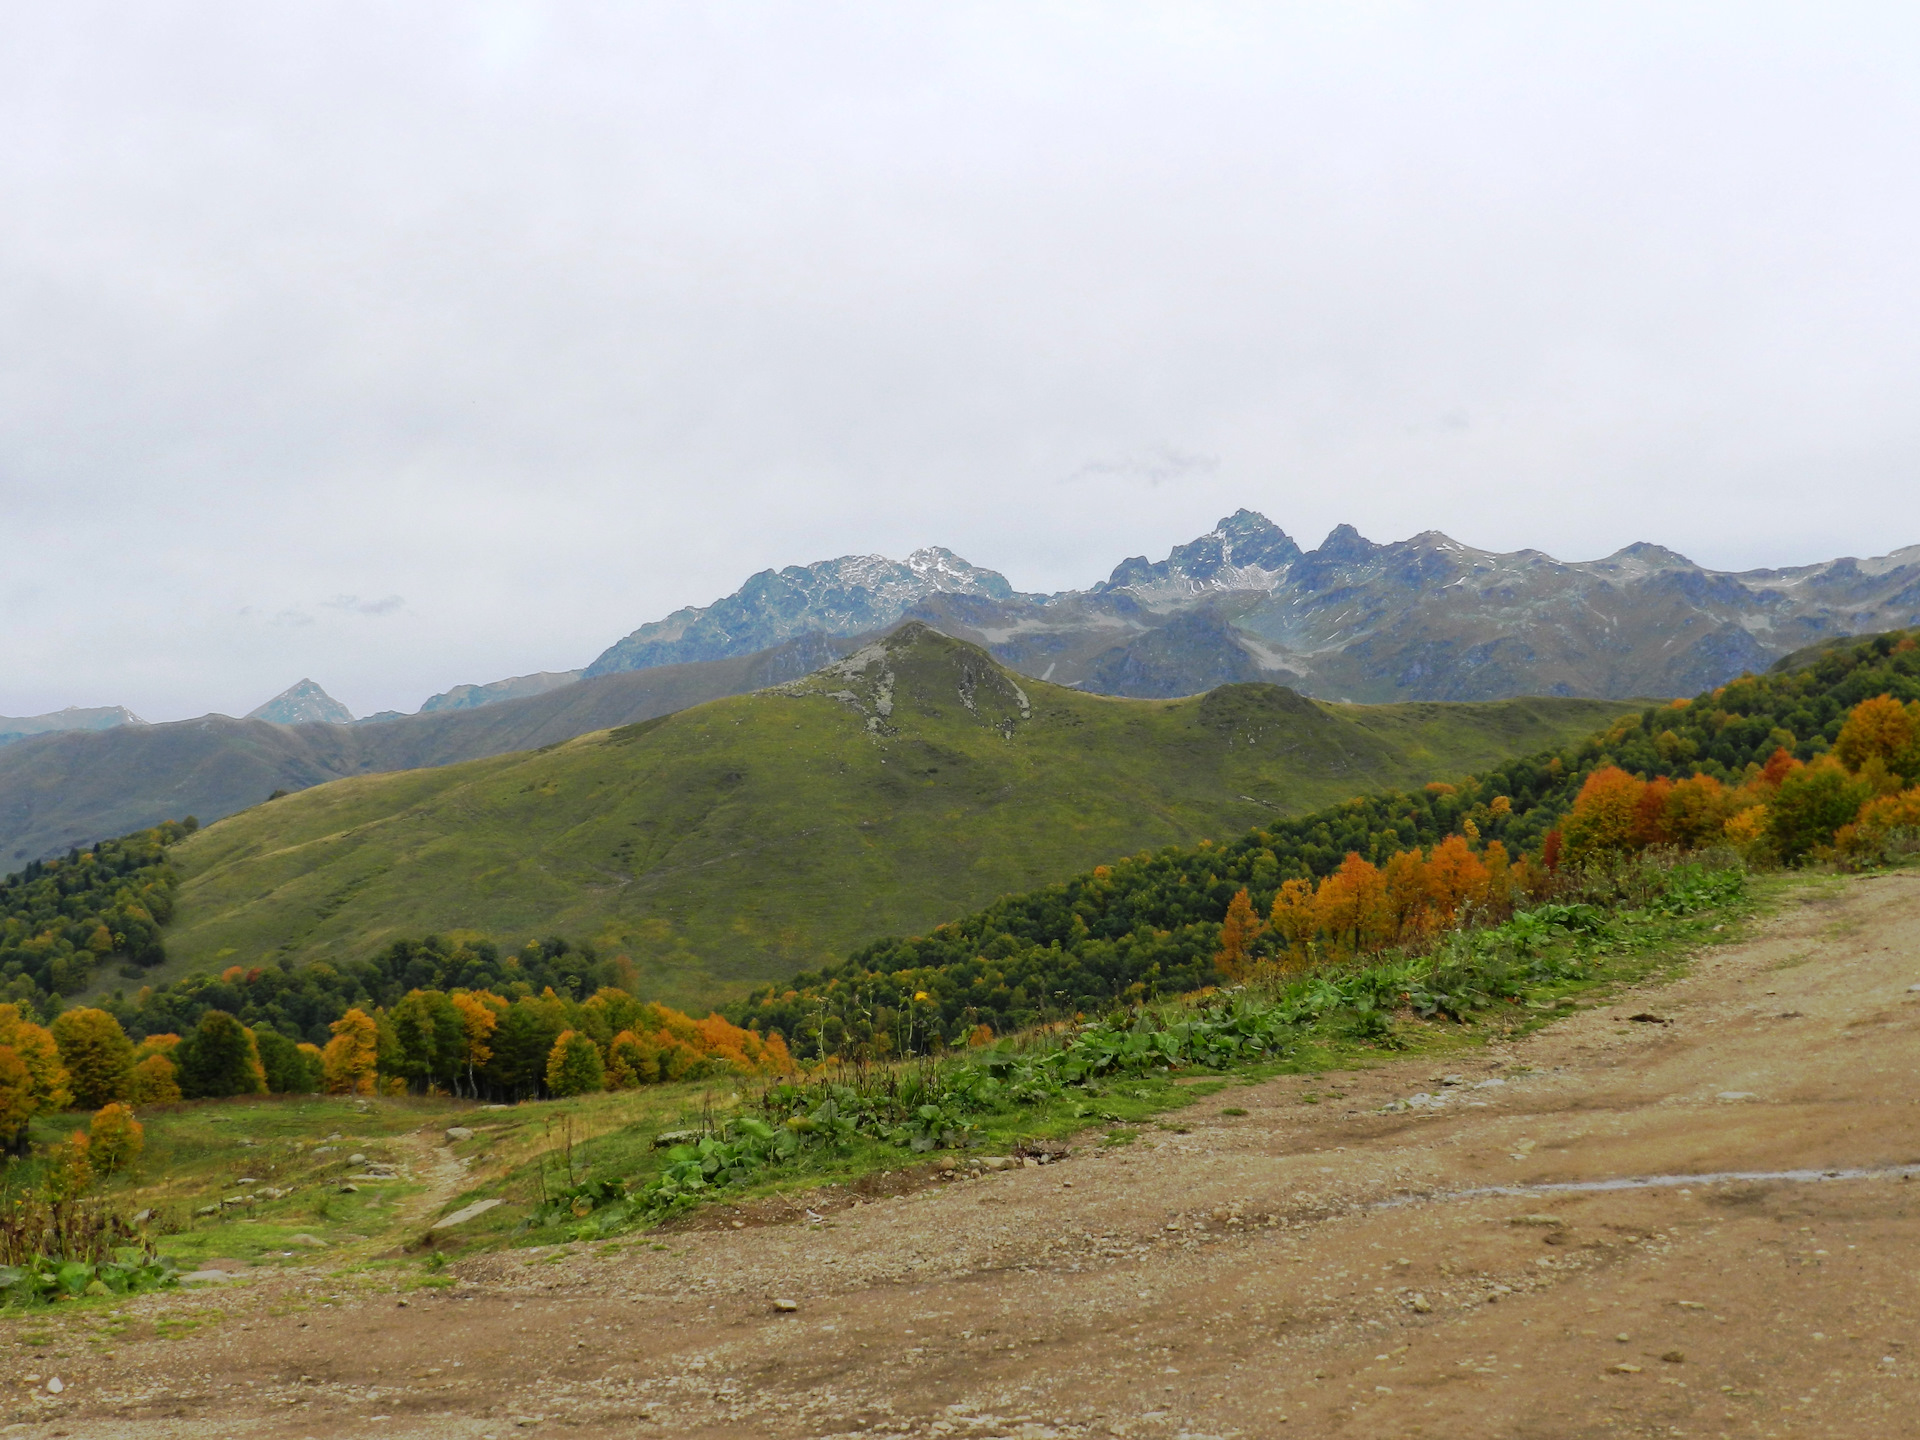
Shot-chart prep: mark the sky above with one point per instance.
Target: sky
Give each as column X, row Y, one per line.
column 404, row 346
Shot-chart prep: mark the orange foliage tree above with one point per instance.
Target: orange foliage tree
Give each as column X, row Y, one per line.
column 1237, row 935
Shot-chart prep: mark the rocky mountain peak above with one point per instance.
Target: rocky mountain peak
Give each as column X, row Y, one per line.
column 1244, row 551
column 304, row 703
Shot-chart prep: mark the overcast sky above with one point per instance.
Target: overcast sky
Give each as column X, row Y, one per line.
column 410, row 345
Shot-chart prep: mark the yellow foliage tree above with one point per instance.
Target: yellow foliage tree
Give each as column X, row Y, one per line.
column 478, row 1021
column 36, row 1049
column 1292, row 918
column 352, row 1057
column 154, row 1081
column 18, row 1104
column 97, row 1054
column 1878, row 729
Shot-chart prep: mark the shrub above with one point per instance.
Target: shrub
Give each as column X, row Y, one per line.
column 116, row 1139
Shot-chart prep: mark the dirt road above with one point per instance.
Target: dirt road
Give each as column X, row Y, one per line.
column 1332, row 1268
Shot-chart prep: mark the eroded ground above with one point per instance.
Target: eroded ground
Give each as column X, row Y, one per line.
column 1300, row 1269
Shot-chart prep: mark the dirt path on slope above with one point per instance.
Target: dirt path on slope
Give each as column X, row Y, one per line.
column 1303, row 1269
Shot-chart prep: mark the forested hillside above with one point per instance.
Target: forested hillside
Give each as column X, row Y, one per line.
column 1152, row 923
column 748, row 838
column 61, row 919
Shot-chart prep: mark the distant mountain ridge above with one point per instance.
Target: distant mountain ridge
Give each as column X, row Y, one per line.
column 856, row 594
column 1426, row 618
column 74, row 717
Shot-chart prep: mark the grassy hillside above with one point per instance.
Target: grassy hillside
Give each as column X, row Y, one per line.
column 754, row 836
column 71, row 788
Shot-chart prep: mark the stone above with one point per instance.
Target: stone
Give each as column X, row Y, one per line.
column 1420, row 1305
column 141, row 1217
column 56, row 1385
column 466, row 1213
column 205, row 1277
column 1625, row 1367
column 667, row 1138
column 356, row 1159
column 312, row 1242
column 208, row 1210
column 1675, row 1357
column 457, row 1133
column 786, row 1306
column 1732, row 1096
column 349, row 1189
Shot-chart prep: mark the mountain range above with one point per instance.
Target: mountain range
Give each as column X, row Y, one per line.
column 1420, row 619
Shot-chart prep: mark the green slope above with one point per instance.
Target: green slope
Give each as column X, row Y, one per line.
column 751, row 837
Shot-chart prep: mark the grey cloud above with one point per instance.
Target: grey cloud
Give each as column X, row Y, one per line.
column 1153, row 466
column 353, row 604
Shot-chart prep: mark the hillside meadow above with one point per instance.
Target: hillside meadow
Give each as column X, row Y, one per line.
column 745, row 839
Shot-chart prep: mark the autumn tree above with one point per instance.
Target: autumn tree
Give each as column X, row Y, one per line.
column 1237, row 934
column 631, row 1061
column 1456, row 876
column 1879, row 729
column 574, row 1066
column 18, row 1103
column 1292, row 918
column 116, row 1139
column 1604, row 815
column 98, row 1056
column 35, row 1047
column 478, row 1020
column 352, row 1057
column 1350, row 906
column 154, row 1081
